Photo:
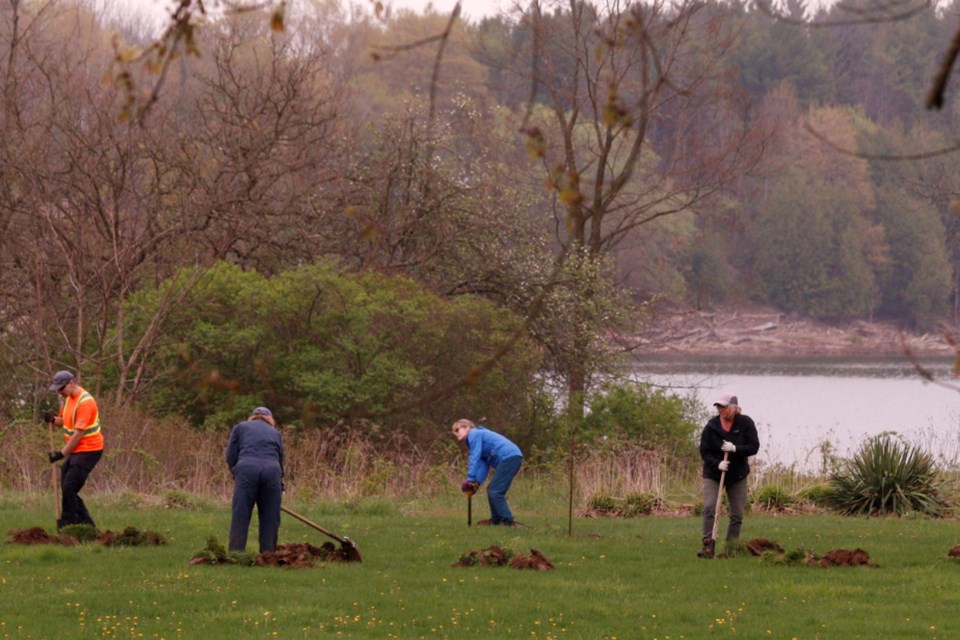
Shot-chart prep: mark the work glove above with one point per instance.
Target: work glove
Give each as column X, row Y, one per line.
column 724, row 465
column 49, row 416
column 728, row 446
column 469, row 487
column 55, row 456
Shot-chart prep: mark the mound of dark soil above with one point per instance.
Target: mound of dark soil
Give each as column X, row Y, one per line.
column 536, row 560
column 495, row 556
column 301, row 555
column 954, row 552
column 846, row 558
column 758, row 546
column 806, row 557
column 38, row 535
column 291, row 556
column 129, row 537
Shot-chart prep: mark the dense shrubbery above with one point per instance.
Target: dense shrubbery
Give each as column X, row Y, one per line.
column 886, row 476
column 773, row 498
column 323, row 348
column 646, row 416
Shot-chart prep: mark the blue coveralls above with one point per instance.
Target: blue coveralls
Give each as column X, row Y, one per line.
column 490, row 450
column 255, row 457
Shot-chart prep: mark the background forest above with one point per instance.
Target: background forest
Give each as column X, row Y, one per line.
column 392, row 221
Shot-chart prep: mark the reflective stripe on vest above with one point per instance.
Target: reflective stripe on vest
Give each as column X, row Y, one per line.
column 92, row 429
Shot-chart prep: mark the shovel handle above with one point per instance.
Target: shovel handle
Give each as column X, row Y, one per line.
column 53, row 477
column 469, row 509
column 311, row 524
column 716, row 509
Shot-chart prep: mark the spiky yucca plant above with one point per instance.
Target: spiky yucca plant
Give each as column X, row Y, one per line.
column 886, row 476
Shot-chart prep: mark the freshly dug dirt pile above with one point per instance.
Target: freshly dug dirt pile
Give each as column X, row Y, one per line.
column 806, row 557
column 954, row 552
column 130, row 537
column 536, row 560
column 758, row 546
column 301, row 555
column 38, row 535
column 846, row 558
column 495, row 556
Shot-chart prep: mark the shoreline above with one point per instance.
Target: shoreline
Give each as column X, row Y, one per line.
column 776, row 334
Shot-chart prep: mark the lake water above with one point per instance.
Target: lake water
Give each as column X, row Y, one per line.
column 799, row 404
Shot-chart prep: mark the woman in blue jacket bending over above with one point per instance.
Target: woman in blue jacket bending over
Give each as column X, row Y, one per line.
column 490, row 450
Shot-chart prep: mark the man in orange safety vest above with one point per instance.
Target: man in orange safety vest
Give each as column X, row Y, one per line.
column 82, row 449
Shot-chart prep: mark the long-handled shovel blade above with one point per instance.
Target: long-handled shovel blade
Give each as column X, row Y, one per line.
column 348, row 547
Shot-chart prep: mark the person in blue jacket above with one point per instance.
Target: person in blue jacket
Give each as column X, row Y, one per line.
column 255, row 457
column 490, row 450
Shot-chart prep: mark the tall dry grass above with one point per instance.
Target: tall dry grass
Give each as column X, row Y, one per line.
column 151, row 456
column 630, row 471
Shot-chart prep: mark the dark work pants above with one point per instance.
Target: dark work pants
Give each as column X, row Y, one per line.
column 256, row 482
column 73, row 475
column 736, row 496
column 497, row 490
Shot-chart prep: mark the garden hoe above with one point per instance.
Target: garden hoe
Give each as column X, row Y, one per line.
column 712, row 543
column 347, row 547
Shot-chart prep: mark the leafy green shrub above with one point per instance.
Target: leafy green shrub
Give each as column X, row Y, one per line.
column 774, row 498
column 216, row 553
column 797, row 557
column 633, row 505
column 176, row 499
column 818, row 494
column 602, row 503
column 646, row 415
column 639, row 504
column 886, row 476
column 347, row 344
column 82, row 532
column 133, row 537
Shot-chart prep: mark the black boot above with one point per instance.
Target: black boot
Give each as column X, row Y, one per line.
column 709, row 547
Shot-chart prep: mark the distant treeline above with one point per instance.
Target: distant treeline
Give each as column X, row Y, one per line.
column 311, row 217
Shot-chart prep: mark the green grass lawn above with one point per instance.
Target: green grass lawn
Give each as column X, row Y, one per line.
column 626, row 579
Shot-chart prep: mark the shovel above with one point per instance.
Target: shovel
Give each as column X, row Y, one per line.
column 347, row 547
column 53, row 477
column 716, row 512
column 469, row 509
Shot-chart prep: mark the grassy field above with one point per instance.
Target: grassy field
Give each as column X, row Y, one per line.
column 627, row 579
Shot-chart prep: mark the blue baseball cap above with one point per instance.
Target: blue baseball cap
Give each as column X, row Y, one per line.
column 61, row 379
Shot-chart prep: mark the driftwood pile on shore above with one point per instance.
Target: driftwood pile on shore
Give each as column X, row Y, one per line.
column 773, row 333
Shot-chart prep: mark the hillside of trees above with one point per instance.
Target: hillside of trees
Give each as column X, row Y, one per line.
column 360, row 217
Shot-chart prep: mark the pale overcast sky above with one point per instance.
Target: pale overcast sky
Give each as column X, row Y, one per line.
column 471, row 9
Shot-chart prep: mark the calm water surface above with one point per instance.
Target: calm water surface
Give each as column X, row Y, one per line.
column 801, row 403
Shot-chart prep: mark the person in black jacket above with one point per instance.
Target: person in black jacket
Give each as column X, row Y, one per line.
column 734, row 435
column 255, row 457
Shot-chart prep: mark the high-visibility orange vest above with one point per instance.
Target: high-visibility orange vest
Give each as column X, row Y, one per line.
column 85, row 407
